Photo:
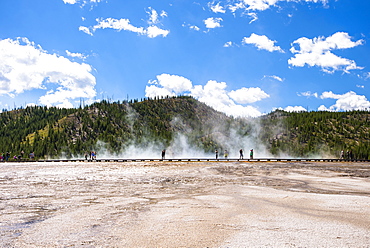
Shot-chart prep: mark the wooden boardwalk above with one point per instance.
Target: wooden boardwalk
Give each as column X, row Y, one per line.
column 123, row 160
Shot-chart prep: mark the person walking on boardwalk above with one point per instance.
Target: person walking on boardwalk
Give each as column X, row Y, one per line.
column 216, row 152
column 226, row 154
column 163, row 154
column 251, row 154
column 241, row 153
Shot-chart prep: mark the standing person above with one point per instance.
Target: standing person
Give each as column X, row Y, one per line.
column 86, row 155
column 251, row 154
column 163, row 154
column 90, row 155
column 216, row 152
column 32, row 155
column 226, row 154
column 7, row 156
column 241, row 154
column 342, row 154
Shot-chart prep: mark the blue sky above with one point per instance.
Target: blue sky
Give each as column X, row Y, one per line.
column 242, row 57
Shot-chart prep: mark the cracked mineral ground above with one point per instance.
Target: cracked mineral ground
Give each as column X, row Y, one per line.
column 184, row 204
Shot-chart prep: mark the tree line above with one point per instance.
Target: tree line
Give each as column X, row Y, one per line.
column 51, row 132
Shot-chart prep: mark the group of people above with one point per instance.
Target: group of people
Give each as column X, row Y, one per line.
column 348, row 155
column 7, row 155
column 90, row 155
column 241, row 154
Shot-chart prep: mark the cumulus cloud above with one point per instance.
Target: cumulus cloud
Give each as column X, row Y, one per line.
column 213, row 94
column 124, row 24
column 248, row 95
column 262, row 42
column 168, row 85
column 213, row 22
column 76, row 55
column 346, row 102
column 25, row 66
column 318, row 52
column 295, row 109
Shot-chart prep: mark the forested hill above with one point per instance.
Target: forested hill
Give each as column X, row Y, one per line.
column 112, row 127
column 318, row 133
column 179, row 124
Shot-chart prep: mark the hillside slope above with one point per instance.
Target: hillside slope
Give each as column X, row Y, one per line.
column 183, row 126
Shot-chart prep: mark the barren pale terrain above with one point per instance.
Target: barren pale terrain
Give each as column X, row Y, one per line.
column 184, row 204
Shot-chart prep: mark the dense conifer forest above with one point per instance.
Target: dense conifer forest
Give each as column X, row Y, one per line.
column 117, row 126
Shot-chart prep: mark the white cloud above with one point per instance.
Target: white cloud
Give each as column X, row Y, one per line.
column 309, row 94
column 330, row 94
column 213, row 94
column 83, row 2
column 124, row 24
column 348, row 101
column 70, row 1
column 170, row 85
column 121, row 24
column 228, row 44
column 194, row 28
column 277, row 78
column 217, row 8
column 261, row 5
column 295, row 109
column 213, row 22
column 86, row 30
column 248, row 95
column 154, row 31
column 76, row 55
column 253, row 16
column 360, row 86
column 367, row 75
column 163, row 14
column 153, row 16
column 25, row 66
column 317, row 52
column 262, row 42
